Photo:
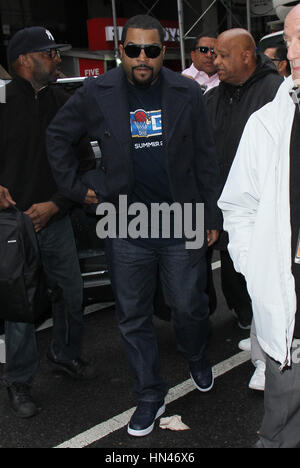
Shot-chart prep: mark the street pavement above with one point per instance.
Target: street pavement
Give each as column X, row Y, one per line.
column 94, row 414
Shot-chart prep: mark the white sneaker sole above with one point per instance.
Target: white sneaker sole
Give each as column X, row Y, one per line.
column 244, row 327
column 148, row 429
column 203, row 389
column 245, row 346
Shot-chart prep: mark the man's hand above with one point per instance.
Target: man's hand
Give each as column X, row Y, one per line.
column 5, row 198
column 91, row 197
column 41, row 213
column 212, row 236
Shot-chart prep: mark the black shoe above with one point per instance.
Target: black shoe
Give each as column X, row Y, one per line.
column 244, row 317
column 244, row 325
column 21, row 400
column 78, row 369
column 143, row 419
column 202, row 375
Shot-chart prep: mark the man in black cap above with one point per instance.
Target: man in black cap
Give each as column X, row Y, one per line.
column 26, row 180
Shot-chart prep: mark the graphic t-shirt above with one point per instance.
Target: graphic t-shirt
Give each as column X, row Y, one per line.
column 151, row 178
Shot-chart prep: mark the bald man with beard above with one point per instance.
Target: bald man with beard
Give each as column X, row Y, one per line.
column 247, row 82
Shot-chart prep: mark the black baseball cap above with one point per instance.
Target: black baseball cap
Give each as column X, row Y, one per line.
column 33, row 39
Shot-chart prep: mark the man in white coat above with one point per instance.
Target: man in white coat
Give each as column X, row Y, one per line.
column 261, row 207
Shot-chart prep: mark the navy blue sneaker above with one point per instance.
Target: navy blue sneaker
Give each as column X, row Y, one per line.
column 21, row 400
column 202, row 375
column 143, row 419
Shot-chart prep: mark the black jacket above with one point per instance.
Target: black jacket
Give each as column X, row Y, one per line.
column 230, row 107
column 101, row 108
column 24, row 167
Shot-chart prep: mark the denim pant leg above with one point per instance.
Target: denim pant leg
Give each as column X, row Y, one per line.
column 59, row 257
column 184, row 289
column 133, row 271
column 21, row 353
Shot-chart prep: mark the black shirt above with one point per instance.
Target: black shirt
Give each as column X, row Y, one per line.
column 295, row 207
column 151, row 178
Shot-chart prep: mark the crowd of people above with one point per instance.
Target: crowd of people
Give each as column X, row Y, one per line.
column 228, row 145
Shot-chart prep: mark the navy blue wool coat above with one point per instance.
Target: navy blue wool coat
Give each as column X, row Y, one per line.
column 100, row 109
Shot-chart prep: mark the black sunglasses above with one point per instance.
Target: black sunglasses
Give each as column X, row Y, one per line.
column 204, row 50
column 151, row 50
column 52, row 53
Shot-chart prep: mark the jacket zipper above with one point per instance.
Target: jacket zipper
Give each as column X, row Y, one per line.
column 285, row 362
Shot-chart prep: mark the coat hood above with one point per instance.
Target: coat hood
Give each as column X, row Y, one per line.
column 282, row 105
column 264, row 67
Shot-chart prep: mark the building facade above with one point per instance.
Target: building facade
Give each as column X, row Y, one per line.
column 70, row 21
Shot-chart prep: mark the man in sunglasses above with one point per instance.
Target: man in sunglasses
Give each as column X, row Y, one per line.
column 26, row 181
column 157, row 147
column 278, row 55
column 203, row 69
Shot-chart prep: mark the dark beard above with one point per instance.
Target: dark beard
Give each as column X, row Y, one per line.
column 142, row 84
column 40, row 77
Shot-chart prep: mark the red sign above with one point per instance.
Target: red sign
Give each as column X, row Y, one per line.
column 90, row 67
column 101, row 32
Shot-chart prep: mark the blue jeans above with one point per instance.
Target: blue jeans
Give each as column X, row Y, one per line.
column 133, row 272
column 60, row 261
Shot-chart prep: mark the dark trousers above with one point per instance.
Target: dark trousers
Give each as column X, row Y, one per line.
column 235, row 289
column 133, row 271
column 59, row 257
column 233, row 286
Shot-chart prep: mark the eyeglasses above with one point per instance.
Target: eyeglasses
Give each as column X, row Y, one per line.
column 52, row 53
column 151, row 50
column 204, row 50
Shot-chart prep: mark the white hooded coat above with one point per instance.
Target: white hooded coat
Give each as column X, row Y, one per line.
column 256, row 209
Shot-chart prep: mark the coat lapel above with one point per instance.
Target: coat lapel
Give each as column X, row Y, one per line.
column 174, row 101
column 113, row 103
